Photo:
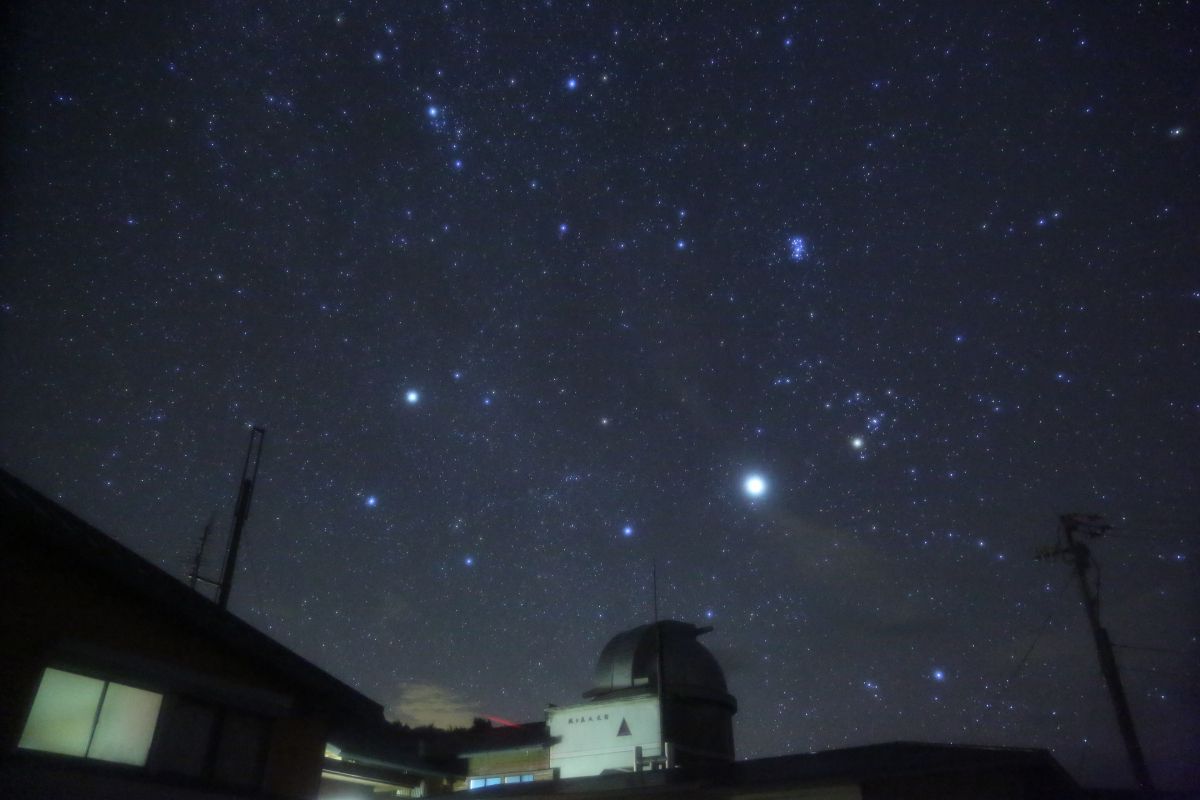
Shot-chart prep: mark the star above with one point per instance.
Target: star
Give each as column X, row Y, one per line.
column 627, row 531
column 412, row 397
column 371, row 501
column 755, row 486
column 572, row 84
column 938, row 675
column 858, row 443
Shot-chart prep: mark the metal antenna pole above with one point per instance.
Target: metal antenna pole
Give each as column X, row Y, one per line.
column 658, row 660
column 654, row 587
column 241, row 511
column 198, row 561
column 1077, row 554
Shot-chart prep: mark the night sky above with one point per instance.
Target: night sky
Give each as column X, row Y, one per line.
column 829, row 309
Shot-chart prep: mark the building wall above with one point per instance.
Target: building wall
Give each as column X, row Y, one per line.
column 700, row 731
column 62, row 615
column 977, row 784
column 834, row 792
column 499, row 762
column 589, row 738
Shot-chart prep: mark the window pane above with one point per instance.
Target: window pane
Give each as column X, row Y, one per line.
column 492, row 782
column 63, row 713
column 476, row 783
column 126, row 725
column 184, row 734
column 241, row 750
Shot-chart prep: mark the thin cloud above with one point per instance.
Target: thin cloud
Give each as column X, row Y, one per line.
column 430, row 704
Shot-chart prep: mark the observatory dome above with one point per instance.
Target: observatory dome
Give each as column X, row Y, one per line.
column 630, row 663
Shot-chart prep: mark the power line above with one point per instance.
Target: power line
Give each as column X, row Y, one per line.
column 1125, row 533
column 1045, row 625
column 1042, row 630
column 1160, row 672
column 1150, row 649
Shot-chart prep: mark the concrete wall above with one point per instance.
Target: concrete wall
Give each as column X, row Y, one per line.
column 590, row 738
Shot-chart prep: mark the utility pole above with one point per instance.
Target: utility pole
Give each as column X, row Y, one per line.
column 1070, row 548
column 241, row 511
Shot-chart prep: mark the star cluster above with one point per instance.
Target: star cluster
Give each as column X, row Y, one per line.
column 826, row 311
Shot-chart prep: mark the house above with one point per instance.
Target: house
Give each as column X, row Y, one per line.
column 119, row 681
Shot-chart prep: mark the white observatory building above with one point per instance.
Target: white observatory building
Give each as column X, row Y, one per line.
column 659, row 700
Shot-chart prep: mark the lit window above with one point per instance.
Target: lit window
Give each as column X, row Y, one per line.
column 518, row 779
column 475, row 783
column 63, row 714
column 80, row 716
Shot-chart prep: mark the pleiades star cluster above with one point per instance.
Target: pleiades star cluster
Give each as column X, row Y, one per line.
column 826, row 310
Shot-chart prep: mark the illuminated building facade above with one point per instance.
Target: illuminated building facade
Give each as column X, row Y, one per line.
column 659, row 699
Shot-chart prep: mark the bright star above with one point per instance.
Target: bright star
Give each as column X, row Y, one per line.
column 371, row 501
column 378, row 56
column 939, row 675
column 627, row 530
column 469, row 560
column 755, row 486
column 680, row 244
column 432, row 112
column 412, row 397
column 572, row 84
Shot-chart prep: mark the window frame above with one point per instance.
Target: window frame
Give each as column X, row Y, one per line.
column 97, row 719
column 224, row 717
